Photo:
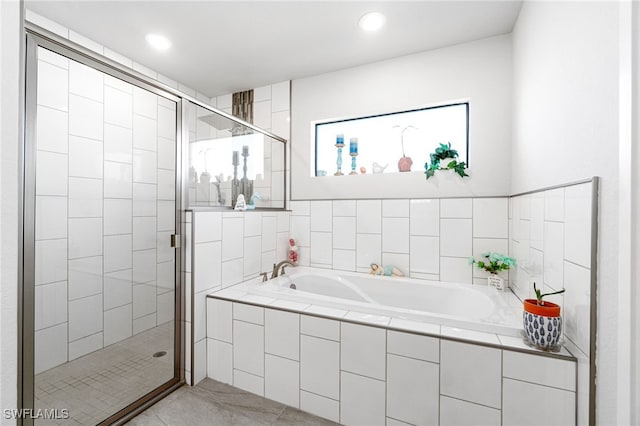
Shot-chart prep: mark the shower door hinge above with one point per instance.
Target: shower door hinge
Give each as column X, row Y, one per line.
column 175, row 240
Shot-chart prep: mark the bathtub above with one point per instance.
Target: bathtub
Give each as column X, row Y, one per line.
column 465, row 306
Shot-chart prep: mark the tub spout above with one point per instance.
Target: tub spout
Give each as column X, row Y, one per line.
column 280, row 265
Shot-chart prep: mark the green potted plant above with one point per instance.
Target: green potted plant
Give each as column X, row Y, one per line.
column 541, row 320
column 493, row 263
column 444, row 158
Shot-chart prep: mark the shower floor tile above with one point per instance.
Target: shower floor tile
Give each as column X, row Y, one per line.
column 99, row 384
column 214, row 403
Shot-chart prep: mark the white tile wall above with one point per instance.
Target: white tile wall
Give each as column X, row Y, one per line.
column 455, row 412
column 282, row 334
column 282, row 380
column 362, row 400
column 412, row 390
column 248, row 348
column 320, row 406
column 320, row 366
column 363, row 350
column 87, row 221
column 425, row 380
column 462, row 379
column 517, row 397
column 554, row 245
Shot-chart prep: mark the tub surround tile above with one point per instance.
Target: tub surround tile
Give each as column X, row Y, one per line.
column 412, row 390
column 344, row 233
column 409, row 325
column 394, row 422
column 220, row 361
column 369, row 216
column 321, row 248
column 454, row 412
column 456, row 269
column 289, row 305
column 363, row 350
column 320, row 366
column 248, row 313
column 455, row 237
column 321, row 216
column 577, row 225
column 362, row 400
column 418, row 379
column 553, row 205
column 576, row 304
column 219, row 320
column 282, row 334
column 326, row 312
column 368, row 318
column 344, row 260
column 248, row 382
column 490, row 218
column 255, row 299
column 344, row 208
column 248, row 348
column 395, row 208
column 413, row 346
column 282, row 380
column 395, row 235
column 462, row 379
column 399, row 260
column 456, row 208
column 541, row 370
column 424, row 255
column 472, row 335
column 553, row 254
column 517, row 397
column 320, row 327
column 320, row 406
column 368, row 250
column 425, row 217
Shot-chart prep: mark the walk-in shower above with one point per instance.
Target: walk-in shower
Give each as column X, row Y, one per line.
column 112, row 160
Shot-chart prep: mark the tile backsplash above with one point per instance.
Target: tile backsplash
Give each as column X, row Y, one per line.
column 424, row 238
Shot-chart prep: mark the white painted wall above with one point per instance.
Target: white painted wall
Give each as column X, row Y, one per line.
column 565, row 128
column 10, row 24
column 635, row 218
column 479, row 71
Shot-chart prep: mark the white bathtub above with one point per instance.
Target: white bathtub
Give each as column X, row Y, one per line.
column 471, row 307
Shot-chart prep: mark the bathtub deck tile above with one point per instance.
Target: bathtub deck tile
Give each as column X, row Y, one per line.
column 261, row 300
column 368, row 318
column 421, row 327
column 229, row 293
column 287, row 304
column 476, row 336
column 326, row 312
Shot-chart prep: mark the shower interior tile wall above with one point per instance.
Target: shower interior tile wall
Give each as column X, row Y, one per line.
column 105, row 177
column 427, row 238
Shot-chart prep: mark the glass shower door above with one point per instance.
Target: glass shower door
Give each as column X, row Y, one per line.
column 105, row 270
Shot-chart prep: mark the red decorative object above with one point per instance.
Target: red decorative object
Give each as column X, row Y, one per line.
column 293, row 251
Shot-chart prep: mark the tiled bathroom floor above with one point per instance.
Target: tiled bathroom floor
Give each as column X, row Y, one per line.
column 101, row 383
column 216, row 404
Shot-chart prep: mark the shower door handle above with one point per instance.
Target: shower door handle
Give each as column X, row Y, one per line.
column 175, row 240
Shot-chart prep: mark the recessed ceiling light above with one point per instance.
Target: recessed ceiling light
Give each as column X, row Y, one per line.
column 158, row 41
column 372, row 21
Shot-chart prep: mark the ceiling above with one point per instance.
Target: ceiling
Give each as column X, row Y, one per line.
column 221, row 47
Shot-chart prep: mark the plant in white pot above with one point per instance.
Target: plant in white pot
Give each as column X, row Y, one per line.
column 493, row 263
column 445, row 158
column 541, row 320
